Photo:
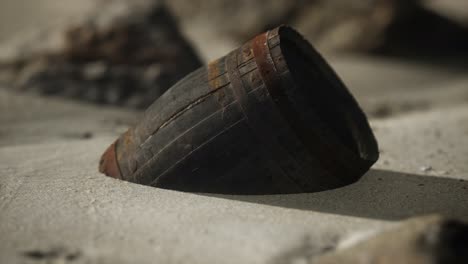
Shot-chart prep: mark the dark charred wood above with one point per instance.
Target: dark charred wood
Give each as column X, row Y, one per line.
column 129, row 60
column 270, row 117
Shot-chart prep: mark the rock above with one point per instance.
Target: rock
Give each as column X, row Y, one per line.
column 389, row 27
column 431, row 239
column 415, row 28
column 126, row 53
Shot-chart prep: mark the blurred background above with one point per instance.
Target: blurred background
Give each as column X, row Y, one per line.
column 127, row 53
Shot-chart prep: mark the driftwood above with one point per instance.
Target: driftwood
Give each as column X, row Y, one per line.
column 126, row 53
column 270, row 117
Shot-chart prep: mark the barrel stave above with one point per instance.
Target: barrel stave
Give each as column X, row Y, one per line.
column 262, row 119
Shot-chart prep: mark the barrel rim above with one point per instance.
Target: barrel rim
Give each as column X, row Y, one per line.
column 356, row 121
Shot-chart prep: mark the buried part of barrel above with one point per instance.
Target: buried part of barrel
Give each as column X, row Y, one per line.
column 270, row 117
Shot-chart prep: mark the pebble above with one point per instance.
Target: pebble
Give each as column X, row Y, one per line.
column 425, row 168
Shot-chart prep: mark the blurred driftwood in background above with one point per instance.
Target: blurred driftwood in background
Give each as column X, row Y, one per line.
column 123, row 53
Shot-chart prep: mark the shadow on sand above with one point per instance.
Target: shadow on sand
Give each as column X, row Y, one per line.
column 380, row 194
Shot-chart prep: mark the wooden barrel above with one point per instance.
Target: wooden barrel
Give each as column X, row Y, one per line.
column 270, row 117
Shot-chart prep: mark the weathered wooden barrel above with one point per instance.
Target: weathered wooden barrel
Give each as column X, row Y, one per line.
column 270, row 117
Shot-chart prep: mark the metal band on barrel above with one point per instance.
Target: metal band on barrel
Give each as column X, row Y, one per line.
column 266, row 65
column 236, row 82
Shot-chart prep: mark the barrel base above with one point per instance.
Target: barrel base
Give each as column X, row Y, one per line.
column 108, row 163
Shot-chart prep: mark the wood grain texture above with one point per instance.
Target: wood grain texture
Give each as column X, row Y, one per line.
column 270, row 117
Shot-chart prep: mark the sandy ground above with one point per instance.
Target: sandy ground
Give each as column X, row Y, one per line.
column 56, row 208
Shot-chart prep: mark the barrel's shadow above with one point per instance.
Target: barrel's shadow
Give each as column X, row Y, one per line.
column 380, row 194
